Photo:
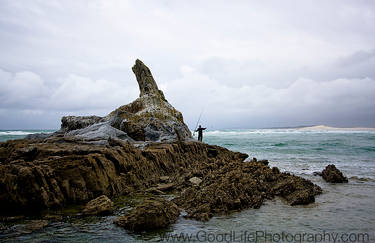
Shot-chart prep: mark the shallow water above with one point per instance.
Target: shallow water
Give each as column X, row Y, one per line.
column 297, row 151
column 341, row 209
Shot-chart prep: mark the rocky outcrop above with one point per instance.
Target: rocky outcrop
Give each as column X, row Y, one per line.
column 226, row 187
column 154, row 213
column 146, row 82
column 148, row 118
column 295, row 190
column 143, row 147
column 36, row 175
column 99, row 205
column 65, row 170
column 333, row 175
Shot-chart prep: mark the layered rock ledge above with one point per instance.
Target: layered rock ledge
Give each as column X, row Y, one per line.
column 142, row 147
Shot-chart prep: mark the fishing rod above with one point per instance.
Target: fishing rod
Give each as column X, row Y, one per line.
column 198, row 122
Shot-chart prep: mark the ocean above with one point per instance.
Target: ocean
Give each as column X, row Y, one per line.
column 343, row 213
column 18, row 134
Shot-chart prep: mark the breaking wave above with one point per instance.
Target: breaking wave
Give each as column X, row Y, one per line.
column 279, row 131
column 16, row 133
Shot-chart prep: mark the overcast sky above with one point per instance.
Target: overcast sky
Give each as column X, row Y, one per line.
column 246, row 64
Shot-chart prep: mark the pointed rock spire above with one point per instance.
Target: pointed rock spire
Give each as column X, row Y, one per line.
column 149, row 118
column 146, row 82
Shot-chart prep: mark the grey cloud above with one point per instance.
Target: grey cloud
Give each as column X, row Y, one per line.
column 237, row 73
column 304, row 101
column 251, row 64
column 28, row 91
column 357, row 58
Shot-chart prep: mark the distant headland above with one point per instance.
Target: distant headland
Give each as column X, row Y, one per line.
column 324, row 127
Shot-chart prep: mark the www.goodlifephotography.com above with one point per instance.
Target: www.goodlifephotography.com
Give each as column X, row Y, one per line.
column 265, row 236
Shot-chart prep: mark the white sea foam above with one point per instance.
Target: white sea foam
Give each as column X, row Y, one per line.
column 281, row 131
column 17, row 133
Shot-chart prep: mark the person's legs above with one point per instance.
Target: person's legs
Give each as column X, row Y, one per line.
column 200, row 137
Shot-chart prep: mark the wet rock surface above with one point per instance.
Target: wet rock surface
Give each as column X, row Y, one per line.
column 66, row 170
column 22, row 227
column 238, row 185
column 99, row 205
column 333, row 175
column 154, row 213
column 296, row 190
column 35, row 225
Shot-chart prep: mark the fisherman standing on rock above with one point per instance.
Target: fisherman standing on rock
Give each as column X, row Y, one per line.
column 200, row 132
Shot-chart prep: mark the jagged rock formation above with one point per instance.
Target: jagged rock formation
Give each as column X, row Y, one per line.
column 61, row 170
column 65, row 170
column 116, row 155
column 146, row 82
column 235, row 185
column 148, row 118
column 333, row 175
